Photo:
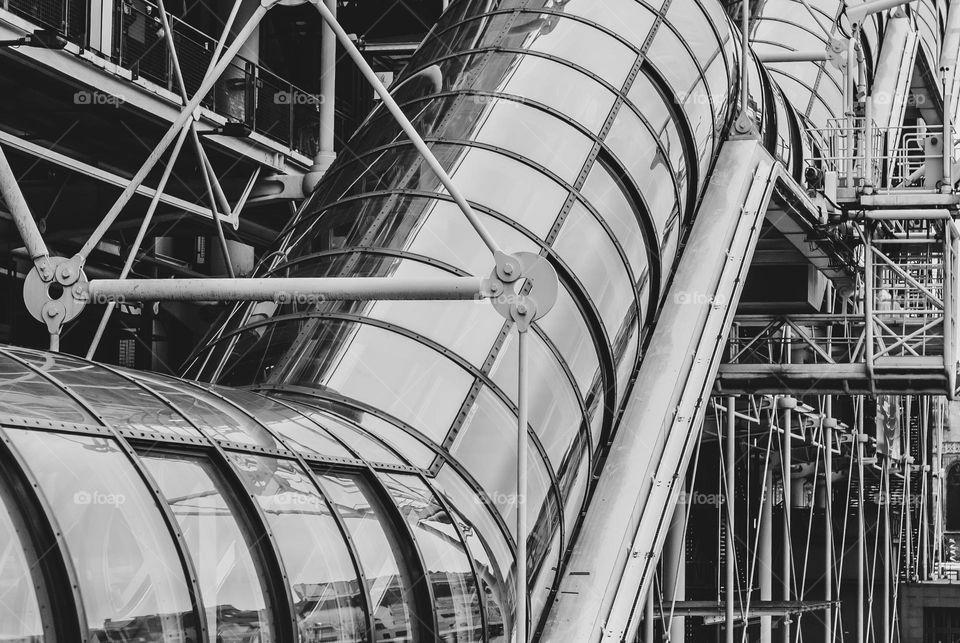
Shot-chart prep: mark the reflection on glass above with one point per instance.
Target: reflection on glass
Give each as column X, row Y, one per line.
column 130, row 576
column 230, row 585
column 25, row 393
column 486, row 543
column 554, row 410
column 20, row 581
column 601, row 269
column 381, row 556
column 120, row 402
column 487, row 447
column 326, row 591
column 457, row 603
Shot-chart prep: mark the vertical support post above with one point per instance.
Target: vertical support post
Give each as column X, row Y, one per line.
column 947, row 187
column 849, row 96
column 861, row 527
column 326, row 151
column 907, row 491
column 674, row 568
column 868, row 298
column 868, row 135
column 828, row 427
column 765, row 553
column 648, row 616
column 787, row 465
column 887, row 548
column 729, row 465
column 522, row 411
column 744, row 57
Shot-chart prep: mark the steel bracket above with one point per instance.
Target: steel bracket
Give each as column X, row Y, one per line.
column 523, row 287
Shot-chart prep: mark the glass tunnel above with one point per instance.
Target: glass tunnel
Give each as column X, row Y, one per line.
column 337, row 471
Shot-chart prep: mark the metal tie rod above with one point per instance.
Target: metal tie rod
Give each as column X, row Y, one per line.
column 793, row 56
column 283, row 290
column 406, row 125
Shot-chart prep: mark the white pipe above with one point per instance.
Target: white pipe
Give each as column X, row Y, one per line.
column 786, row 467
column 765, row 552
column 20, row 211
column 793, row 56
column 101, row 291
column 675, row 569
column 729, row 465
column 522, row 408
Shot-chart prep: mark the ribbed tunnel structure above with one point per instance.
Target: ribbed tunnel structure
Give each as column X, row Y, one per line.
column 347, row 470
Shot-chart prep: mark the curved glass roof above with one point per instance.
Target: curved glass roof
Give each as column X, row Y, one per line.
column 178, row 508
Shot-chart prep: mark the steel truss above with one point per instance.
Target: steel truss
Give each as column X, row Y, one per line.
column 863, row 517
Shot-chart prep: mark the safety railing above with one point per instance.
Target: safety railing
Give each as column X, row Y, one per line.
column 245, row 93
column 908, row 290
column 796, row 339
column 895, row 158
column 69, row 17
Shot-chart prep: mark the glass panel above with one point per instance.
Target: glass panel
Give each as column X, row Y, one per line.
column 447, row 236
column 231, row 587
column 486, row 446
column 367, row 447
column 588, row 250
column 609, row 198
column 523, row 194
column 130, row 574
column 219, row 419
column 648, row 100
column 381, row 550
column 536, row 135
column 644, row 161
column 301, row 433
column 554, row 84
column 554, row 410
column 595, row 51
column 491, row 553
column 119, row 402
column 567, row 328
column 629, row 18
column 457, row 605
column 24, row 393
column 388, row 371
column 467, row 328
column 20, row 581
column 326, row 591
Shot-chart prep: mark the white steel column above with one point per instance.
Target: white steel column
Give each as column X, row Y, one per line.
column 787, row 404
column 765, row 553
column 674, row 568
column 730, row 443
column 828, row 426
column 326, row 152
column 861, row 528
column 522, row 407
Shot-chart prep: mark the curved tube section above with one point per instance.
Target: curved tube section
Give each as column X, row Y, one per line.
column 580, row 130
